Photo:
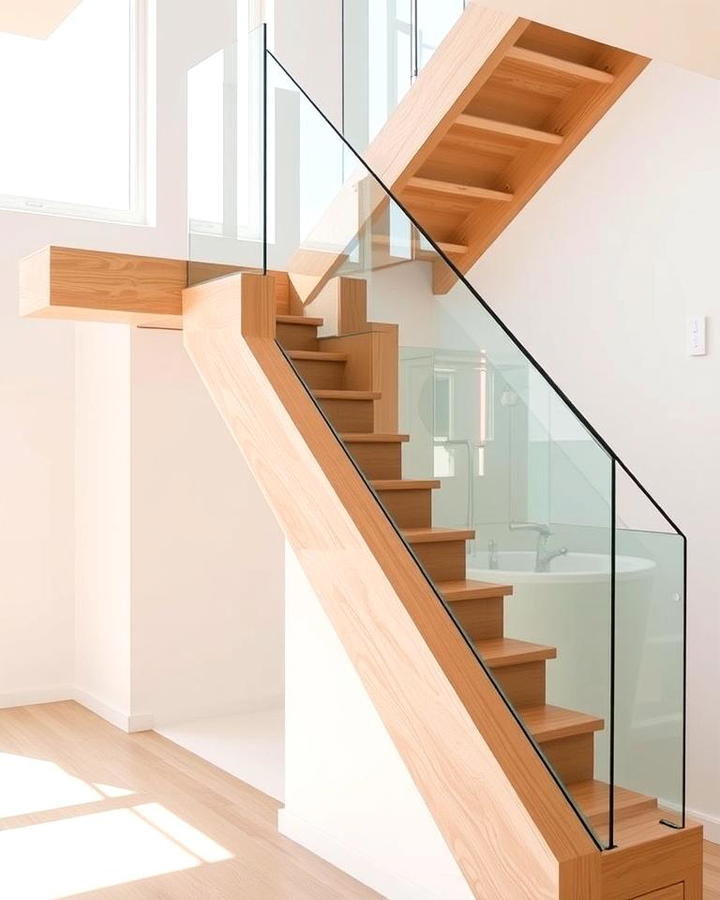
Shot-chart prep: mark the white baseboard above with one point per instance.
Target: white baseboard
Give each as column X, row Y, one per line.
column 352, row 862
column 60, row 692
column 120, row 718
column 710, row 823
column 31, row 696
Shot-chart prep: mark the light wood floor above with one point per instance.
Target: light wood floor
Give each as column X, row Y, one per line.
column 88, row 810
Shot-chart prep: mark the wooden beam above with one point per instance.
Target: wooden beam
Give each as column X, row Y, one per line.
column 469, row 191
column 518, row 131
column 500, row 811
column 96, row 286
column 555, row 64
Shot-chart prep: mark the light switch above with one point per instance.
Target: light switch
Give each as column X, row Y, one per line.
column 696, row 335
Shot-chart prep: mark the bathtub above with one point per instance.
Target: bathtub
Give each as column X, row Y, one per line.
column 518, row 567
column 569, row 608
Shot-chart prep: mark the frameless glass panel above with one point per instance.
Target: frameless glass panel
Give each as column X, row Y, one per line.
column 385, row 44
column 650, row 619
column 517, row 480
column 226, row 157
column 514, row 508
column 434, row 20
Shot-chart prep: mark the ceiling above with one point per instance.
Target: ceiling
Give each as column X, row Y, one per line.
column 34, row 18
column 683, row 32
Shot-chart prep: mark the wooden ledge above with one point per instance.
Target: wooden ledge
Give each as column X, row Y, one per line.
column 96, row 286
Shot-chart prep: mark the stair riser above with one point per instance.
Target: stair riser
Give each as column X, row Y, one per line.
column 480, row 619
column 377, row 461
column 321, row 375
column 349, row 415
column 524, row 685
column 571, row 757
column 296, row 337
column 442, row 560
column 408, row 509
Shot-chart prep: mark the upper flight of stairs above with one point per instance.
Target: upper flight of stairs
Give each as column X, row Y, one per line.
column 497, row 109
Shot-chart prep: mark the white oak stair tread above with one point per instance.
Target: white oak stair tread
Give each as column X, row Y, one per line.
column 406, row 484
column 499, row 652
column 565, row 66
column 593, row 798
column 317, row 355
column 435, row 535
column 467, row 589
column 374, row 437
column 467, row 191
column 299, row 320
column 644, row 826
column 508, row 128
column 328, row 394
column 550, row 723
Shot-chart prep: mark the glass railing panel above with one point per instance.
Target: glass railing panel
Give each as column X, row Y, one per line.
column 385, row 44
column 483, row 421
column 226, row 160
column 518, row 466
column 650, row 652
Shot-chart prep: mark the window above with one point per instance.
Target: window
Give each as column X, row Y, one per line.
column 225, row 159
column 73, row 112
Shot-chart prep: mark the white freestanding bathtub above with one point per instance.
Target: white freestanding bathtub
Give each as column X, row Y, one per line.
column 569, row 608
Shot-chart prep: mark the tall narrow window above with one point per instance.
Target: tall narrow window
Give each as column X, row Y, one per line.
column 73, row 114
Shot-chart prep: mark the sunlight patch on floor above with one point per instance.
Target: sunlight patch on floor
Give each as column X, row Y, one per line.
column 30, row 785
column 88, row 852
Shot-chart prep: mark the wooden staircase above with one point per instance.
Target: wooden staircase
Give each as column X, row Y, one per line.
column 510, row 827
column 566, row 737
column 500, row 105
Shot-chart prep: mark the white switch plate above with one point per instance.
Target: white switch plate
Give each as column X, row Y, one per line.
column 696, row 336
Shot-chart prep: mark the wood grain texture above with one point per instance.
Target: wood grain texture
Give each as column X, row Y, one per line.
column 470, row 52
column 652, row 857
column 73, row 746
column 500, row 105
column 89, row 285
column 511, row 831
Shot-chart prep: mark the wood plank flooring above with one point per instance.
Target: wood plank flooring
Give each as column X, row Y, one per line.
column 86, row 810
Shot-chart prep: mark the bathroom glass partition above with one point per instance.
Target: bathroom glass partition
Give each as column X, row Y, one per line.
column 542, row 496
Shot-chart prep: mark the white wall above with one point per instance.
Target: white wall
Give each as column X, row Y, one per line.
column 37, row 523
column 596, row 276
column 348, row 795
column 102, row 518
column 207, row 592
column 683, row 32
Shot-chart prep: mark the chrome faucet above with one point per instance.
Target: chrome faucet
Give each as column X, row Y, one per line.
column 493, row 562
column 543, row 556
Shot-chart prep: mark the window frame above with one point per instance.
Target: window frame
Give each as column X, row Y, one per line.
column 138, row 212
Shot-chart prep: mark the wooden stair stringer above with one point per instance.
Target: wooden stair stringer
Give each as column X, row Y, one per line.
column 510, row 828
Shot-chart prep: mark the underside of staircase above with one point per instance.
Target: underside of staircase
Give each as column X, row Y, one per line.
column 499, row 106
